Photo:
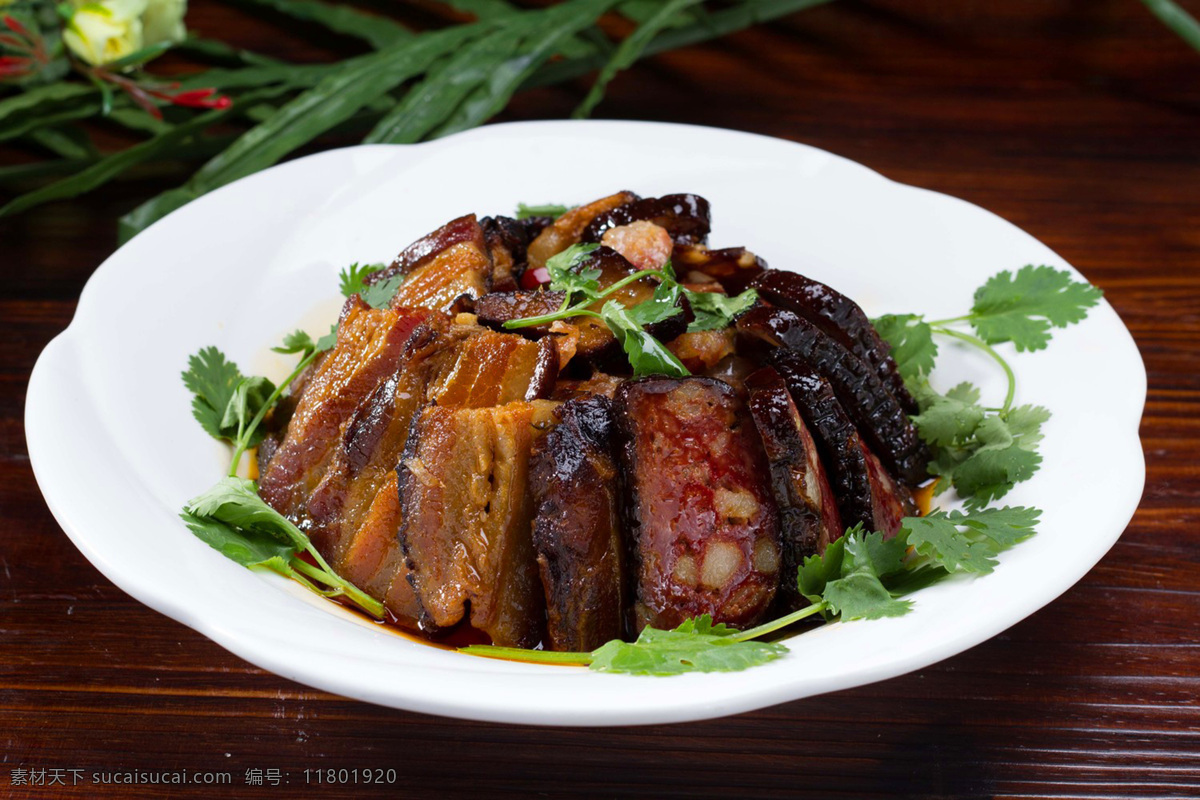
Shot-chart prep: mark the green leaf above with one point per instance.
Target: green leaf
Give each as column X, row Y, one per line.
column 969, row 542
column 432, row 101
column 378, row 31
column 542, row 33
column 912, row 344
column 1022, row 309
column 695, row 646
column 545, row 210
column 818, row 571
column 861, row 595
column 647, row 355
column 212, row 379
column 300, row 342
column 714, row 311
column 950, row 418
column 630, row 50
column 662, row 304
column 352, row 278
column 249, row 397
column 236, row 502
column 567, row 273
column 250, row 548
column 355, row 84
column 379, row 295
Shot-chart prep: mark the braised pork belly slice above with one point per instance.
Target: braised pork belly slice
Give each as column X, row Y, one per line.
column 700, row 516
column 467, row 519
column 491, row 369
column 567, row 229
column 878, row 416
column 369, row 344
column 576, row 529
column 808, row 512
column 444, row 268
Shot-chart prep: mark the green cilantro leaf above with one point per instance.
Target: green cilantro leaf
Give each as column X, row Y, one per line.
column 300, row 342
column 695, row 646
column 848, row 579
column 950, row 418
column 647, row 355
column 545, row 210
column 969, row 542
column 862, row 595
column 379, row 295
column 661, row 305
column 714, row 310
column 250, row 547
column 248, row 399
column 212, row 379
column 567, row 273
column 235, row 501
column 911, row 340
column 1022, row 308
column 353, row 278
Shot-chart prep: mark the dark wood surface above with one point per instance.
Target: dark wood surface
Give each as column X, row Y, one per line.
column 1078, row 121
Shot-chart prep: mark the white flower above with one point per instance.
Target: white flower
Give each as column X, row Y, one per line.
column 104, row 31
column 163, row 21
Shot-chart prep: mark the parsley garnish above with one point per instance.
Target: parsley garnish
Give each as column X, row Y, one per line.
column 545, row 210
column 647, row 355
column 234, row 520
column 983, row 452
column 353, row 278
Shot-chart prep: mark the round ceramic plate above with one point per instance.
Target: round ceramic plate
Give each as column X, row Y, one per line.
column 117, row 453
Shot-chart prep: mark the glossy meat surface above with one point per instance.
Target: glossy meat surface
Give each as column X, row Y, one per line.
column 467, row 519
column 878, row 415
column 701, row 520
column 686, row 217
column 567, row 229
column 808, row 515
column 576, row 531
column 841, row 318
column 732, row 267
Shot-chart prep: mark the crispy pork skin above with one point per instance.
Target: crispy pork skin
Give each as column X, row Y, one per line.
column 808, row 514
column 878, row 416
column 466, row 519
column 841, row 318
column 686, row 217
column 567, row 229
column 576, row 529
column 702, row 524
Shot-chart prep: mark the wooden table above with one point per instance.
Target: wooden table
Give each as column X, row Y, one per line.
column 1080, row 122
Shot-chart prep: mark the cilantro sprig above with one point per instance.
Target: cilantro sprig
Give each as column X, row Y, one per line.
column 231, row 517
column 647, row 355
column 983, row 452
column 860, row 576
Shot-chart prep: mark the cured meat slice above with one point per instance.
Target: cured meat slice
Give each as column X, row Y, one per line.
column 467, row 519
column 576, row 529
column 701, row 520
column 841, row 318
column 489, row 369
column 808, row 514
column 878, row 416
column 685, row 216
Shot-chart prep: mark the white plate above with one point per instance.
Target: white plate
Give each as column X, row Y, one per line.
column 116, row 451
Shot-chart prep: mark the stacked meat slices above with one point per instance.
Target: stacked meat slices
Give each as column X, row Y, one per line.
column 521, row 483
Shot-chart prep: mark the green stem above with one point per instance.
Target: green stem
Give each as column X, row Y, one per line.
column 985, row 347
column 1175, row 18
column 340, row 587
column 580, row 308
column 776, row 624
column 521, row 654
column 244, row 437
column 939, row 322
column 574, row 311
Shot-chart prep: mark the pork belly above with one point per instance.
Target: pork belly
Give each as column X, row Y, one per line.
column 467, row 519
column 576, row 529
column 701, row 520
column 878, row 416
column 808, row 514
column 369, row 344
column 839, row 317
